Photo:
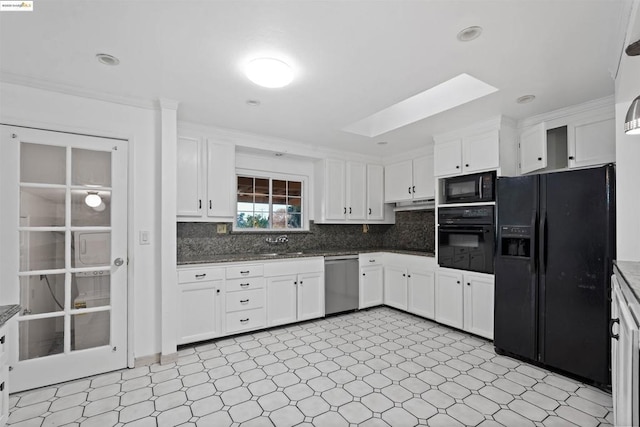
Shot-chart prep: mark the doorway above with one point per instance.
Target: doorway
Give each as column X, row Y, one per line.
column 63, row 223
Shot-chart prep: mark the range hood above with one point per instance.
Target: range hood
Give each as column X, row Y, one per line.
column 416, row 205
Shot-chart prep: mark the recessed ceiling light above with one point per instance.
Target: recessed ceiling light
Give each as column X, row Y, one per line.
column 253, row 102
column 269, row 72
column 382, row 143
column 525, row 99
column 107, row 59
column 469, row 33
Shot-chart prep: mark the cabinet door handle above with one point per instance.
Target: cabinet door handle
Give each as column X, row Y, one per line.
column 3, row 339
column 458, row 282
column 244, row 301
column 345, row 211
column 244, row 285
column 295, row 283
column 2, row 386
column 369, row 211
column 217, row 291
column 210, row 206
column 244, row 320
column 466, row 165
column 363, row 274
column 539, row 159
column 372, row 260
column 404, row 275
column 349, row 210
column 301, row 282
column 245, row 272
column 200, row 276
column 468, row 284
column 457, row 166
column 611, row 323
column 414, row 189
column 199, row 203
column 409, row 276
column 409, row 190
column 571, row 157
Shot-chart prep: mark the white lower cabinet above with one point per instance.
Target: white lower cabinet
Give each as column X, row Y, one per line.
column 199, row 296
column 395, row 287
column 625, row 367
column 465, row 301
column 371, row 280
column 409, row 284
column 4, row 376
column 421, row 293
column 296, row 296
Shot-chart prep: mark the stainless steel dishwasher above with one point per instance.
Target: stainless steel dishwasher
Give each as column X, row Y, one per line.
column 341, row 283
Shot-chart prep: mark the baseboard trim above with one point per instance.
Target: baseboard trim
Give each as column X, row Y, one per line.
column 165, row 359
column 146, row 360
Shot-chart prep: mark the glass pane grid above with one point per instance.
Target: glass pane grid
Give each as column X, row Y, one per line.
column 64, row 289
column 279, row 208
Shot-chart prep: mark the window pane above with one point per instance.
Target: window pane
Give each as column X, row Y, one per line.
column 245, row 185
column 262, row 186
column 294, row 221
column 295, row 204
column 44, row 164
column 279, row 188
column 89, row 330
column 246, row 198
column 41, row 337
column 42, row 207
column 90, row 167
column 43, row 293
column 262, row 199
column 278, row 200
column 41, row 250
column 295, row 188
column 83, row 215
column 279, row 220
column 243, row 220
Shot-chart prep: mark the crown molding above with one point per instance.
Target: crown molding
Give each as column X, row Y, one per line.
column 608, row 102
column 32, row 82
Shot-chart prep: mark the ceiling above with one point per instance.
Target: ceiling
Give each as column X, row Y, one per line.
column 351, row 59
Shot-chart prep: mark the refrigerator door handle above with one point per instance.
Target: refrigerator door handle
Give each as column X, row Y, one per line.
column 543, row 243
column 533, row 242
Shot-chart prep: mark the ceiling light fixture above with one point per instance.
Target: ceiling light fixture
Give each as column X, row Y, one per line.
column 632, row 121
column 269, row 72
column 469, row 33
column 525, row 99
column 93, row 200
column 107, row 59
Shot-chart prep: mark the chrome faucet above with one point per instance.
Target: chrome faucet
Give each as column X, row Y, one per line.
column 279, row 239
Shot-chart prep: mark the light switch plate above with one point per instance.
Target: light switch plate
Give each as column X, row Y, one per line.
column 144, row 238
column 222, row 229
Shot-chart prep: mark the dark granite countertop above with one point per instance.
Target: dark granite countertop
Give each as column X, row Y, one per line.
column 7, row 312
column 304, row 254
column 630, row 270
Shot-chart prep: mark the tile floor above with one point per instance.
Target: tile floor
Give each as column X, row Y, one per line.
column 371, row 368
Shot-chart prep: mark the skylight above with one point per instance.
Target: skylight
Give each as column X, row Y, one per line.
column 445, row 96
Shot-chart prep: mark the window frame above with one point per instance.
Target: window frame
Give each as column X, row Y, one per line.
column 271, row 176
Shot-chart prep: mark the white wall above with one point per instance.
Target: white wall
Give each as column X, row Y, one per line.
column 628, row 154
column 52, row 110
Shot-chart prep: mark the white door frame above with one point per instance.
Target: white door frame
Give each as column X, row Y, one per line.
column 130, row 141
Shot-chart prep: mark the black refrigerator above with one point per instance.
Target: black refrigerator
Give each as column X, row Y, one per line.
column 554, row 254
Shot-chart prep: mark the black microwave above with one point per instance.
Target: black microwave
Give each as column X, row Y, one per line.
column 479, row 187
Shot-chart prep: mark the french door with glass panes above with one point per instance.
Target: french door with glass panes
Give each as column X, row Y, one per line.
column 63, row 255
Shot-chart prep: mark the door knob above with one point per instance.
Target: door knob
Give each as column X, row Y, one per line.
column 118, row 262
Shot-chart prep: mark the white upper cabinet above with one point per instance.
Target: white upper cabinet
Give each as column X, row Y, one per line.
column 409, row 180
column 347, row 191
column 533, row 149
column 448, row 157
column 375, row 192
column 574, row 137
column 189, row 200
column 206, row 180
column 485, row 146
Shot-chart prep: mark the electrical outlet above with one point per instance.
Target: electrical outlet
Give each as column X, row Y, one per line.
column 365, row 228
column 222, row 229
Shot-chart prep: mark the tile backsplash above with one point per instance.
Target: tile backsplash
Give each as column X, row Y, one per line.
column 413, row 230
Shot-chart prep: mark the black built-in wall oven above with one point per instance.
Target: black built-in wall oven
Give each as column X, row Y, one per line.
column 466, row 238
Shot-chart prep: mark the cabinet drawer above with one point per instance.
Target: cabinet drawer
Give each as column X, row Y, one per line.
column 244, row 271
column 200, row 275
column 245, row 319
column 245, row 300
column 244, row 284
column 370, row 259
